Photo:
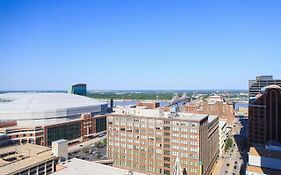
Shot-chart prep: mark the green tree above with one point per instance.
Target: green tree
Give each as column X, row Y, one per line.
column 228, row 144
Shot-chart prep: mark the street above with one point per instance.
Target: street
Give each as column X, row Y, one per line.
column 233, row 160
column 85, row 144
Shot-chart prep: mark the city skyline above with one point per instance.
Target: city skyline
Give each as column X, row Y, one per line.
column 138, row 45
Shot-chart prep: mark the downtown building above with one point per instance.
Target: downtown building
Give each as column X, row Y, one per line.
column 214, row 105
column 265, row 116
column 256, row 85
column 150, row 140
column 78, row 89
column 41, row 118
column 264, row 160
column 27, row 159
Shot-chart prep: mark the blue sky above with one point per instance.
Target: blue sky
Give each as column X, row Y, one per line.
column 138, row 44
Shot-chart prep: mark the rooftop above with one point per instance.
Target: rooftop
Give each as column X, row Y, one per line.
column 159, row 113
column 20, row 106
column 259, row 170
column 265, row 153
column 18, row 157
column 83, row 167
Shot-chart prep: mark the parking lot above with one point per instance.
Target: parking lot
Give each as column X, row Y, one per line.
column 93, row 152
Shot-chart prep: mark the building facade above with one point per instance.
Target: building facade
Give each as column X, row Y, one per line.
column 41, row 118
column 149, row 104
column 74, row 131
column 214, row 105
column 222, row 135
column 256, row 85
column 265, row 116
column 149, row 141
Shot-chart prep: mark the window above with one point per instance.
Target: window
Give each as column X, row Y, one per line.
column 193, row 156
column 192, row 170
column 193, row 143
column 159, row 151
column 193, row 136
column 184, row 148
column 193, row 130
column 193, row 149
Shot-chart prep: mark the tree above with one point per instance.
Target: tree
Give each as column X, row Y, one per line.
column 228, row 144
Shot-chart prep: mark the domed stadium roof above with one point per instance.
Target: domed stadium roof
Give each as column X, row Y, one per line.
column 36, row 106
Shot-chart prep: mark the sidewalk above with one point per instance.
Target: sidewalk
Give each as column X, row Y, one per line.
column 218, row 167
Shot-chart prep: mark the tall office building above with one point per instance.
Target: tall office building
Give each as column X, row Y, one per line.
column 78, row 89
column 150, row 140
column 265, row 116
column 256, row 85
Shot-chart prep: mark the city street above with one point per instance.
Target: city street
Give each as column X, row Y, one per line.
column 85, row 144
column 233, row 160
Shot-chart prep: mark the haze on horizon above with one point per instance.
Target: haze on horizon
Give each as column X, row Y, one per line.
column 160, row 44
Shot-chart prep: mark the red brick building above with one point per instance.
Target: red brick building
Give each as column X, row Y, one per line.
column 265, row 116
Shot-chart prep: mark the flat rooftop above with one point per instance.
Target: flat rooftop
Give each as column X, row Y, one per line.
column 161, row 114
column 83, row 167
column 265, row 153
column 259, row 170
column 18, row 157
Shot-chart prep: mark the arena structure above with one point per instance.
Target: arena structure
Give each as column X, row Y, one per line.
column 45, row 117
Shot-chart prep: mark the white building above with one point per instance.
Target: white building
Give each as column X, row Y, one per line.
column 264, row 161
column 222, row 135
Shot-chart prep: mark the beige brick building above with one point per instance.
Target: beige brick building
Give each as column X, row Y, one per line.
column 214, row 105
column 149, row 140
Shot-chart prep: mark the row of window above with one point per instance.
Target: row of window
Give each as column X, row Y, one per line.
column 138, row 166
column 144, row 122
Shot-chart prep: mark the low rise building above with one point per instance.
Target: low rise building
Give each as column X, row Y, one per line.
column 214, row 105
column 264, row 161
column 150, row 140
column 27, row 159
column 42, row 118
column 78, row 166
column 149, row 104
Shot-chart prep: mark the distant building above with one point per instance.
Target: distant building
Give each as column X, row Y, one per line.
column 263, row 161
column 214, row 105
column 191, row 108
column 256, row 85
column 77, row 166
column 149, row 104
column 27, row 159
column 42, row 118
column 265, row 116
column 78, row 89
column 150, row 140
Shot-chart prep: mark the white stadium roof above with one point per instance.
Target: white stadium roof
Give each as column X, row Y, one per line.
column 30, row 106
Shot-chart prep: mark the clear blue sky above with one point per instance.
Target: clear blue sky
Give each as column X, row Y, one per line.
column 138, row 44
